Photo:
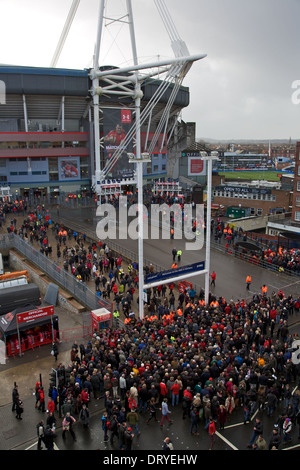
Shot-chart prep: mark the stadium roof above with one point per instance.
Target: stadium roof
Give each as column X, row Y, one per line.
column 44, row 88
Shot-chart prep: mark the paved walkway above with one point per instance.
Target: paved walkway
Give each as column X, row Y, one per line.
column 26, row 371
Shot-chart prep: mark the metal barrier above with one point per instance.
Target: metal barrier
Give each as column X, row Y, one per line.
column 71, row 334
column 79, row 290
column 253, row 260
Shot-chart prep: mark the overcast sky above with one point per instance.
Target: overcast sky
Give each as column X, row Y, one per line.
column 242, row 89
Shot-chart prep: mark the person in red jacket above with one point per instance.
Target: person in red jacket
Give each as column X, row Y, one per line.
column 51, row 406
column 175, row 393
column 211, row 432
column 85, row 396
column 41, row 399
column 115, row 289
column 163, row 390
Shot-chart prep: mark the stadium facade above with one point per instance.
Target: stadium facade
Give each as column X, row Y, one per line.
column 46, row 129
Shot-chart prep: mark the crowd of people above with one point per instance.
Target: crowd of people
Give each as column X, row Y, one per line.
column 97, row 262
column 210, row 362
column 270, row 252
column 87, row 260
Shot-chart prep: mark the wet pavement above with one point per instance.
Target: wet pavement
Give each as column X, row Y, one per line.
column 21, row 434
column 231, row 272
column 26, row 370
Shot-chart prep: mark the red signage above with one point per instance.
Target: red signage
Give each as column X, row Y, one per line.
column 126, row 116
column 31, row 315
column 196, row 166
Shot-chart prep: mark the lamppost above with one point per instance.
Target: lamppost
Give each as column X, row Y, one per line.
column 209, row 158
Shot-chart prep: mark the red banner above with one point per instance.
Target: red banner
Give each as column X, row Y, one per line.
column 126, row 116
column 31, row 315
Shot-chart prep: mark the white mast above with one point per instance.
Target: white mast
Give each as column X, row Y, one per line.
column 65, row 32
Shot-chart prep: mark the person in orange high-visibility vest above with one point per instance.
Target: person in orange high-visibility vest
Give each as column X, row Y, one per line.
column 248, row 281
column 264, row 289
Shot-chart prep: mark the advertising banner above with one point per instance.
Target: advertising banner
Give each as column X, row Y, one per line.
column 68, row 168
column 196, row 166
column 172, row 273
column 116, row 125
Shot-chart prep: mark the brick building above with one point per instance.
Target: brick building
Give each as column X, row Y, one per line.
column 296, row 192
column 259, row 198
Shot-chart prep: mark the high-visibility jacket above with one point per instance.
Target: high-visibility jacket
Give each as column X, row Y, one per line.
column 264, row 289
column 248, row 279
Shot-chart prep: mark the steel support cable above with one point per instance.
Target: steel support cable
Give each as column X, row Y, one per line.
column 145, row 113
column 129, row 137
column 65, row 32
column 164, row 116
column 167, row 109
column 169, row 25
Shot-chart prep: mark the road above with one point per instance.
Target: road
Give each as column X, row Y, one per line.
column 231, row 272
column 235, row 436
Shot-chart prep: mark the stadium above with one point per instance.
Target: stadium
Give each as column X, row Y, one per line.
column 47, row 125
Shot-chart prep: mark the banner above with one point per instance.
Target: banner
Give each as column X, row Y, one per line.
column 116, row 125
column 171, row 273
column 68, row 168
column 31, row 315
column 196, row 166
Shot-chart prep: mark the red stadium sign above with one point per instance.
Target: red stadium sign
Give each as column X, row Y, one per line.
column 31, row 315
